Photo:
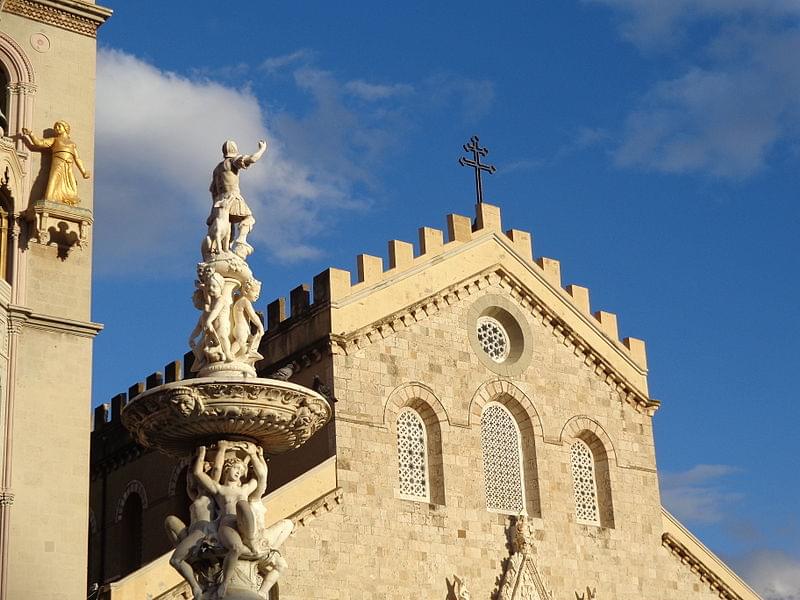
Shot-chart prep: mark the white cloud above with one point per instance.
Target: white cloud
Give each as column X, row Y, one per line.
column 774, row 574
column 158, row 138
column 658, row 23
column 372, row 91
column 736, row 101
column 696, row 495
column 274, row 64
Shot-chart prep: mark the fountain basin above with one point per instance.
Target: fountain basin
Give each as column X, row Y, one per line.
column 177, row 417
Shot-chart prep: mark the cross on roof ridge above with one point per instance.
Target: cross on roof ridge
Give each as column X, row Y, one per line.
column 475, row 162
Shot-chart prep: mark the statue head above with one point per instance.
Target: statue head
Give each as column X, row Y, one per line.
column 251, row 289
column 230, row 149
column 61, row 127
column 233, row 469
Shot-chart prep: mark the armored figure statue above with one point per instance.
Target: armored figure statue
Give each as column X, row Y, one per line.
column 227, row 198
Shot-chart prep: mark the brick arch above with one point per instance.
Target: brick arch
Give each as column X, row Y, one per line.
column 174, row 477
column 134, row 487
column 495, row 391
column 591, row 432
column 418, row 396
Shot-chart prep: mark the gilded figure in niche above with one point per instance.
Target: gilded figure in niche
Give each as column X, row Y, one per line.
column 61, row 184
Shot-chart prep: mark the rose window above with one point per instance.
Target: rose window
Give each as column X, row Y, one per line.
column 493, row 339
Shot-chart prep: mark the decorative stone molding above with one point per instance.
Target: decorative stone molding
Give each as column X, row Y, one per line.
column 408, row 394
column 326, row 504
column 383, row 328
column 521, row 579
column 576, row 425
column 78, row 17
column 706, row 575
column 278, row 415
column 133, row 487
column 520, row 339
column 493, row 391
column 6, row 498
column 55, row 223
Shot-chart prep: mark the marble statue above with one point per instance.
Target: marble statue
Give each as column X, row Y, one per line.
column 201, row 526
column 245, row 342
column 61, row 184
column 228, row 550
column 225, row 188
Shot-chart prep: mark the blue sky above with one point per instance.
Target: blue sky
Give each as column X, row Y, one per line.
column 653, row 147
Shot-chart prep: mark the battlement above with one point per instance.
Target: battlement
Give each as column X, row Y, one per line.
column 109, row 413
column 335, row 285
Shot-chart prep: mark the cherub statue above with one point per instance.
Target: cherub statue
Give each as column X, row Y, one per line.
column 225, row 187
column 197, row 338
column 201, row 525
column 61, row 184
column 216, row 312
column 245, row 342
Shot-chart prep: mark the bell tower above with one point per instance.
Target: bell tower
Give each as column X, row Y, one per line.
column 47, row 88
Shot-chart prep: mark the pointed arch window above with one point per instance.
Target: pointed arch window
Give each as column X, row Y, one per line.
column 584, row 483
column 412, row 456
column 502, row 460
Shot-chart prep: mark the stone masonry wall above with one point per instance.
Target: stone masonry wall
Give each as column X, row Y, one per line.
column 376, row 545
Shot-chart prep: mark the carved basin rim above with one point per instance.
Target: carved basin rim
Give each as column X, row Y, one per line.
column 177, row 417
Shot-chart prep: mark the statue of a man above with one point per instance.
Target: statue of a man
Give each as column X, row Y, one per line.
column 225, row 190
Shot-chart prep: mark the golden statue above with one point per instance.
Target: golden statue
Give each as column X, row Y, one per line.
column 61, row 184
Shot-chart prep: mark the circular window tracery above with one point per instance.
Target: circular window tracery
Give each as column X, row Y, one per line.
column 493, row 338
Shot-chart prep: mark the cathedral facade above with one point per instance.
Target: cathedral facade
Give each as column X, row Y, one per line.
column 491, row 435
column 492, row 438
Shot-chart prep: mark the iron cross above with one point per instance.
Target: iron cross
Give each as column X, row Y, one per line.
column 476, row 164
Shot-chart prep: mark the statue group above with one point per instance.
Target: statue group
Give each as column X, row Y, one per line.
column 226, row 543
column 227, row 537
column 227, row 334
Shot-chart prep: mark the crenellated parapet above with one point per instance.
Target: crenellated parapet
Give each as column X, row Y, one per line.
column 336, row 286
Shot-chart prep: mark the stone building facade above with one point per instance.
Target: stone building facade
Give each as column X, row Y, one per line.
column 47, row 66
column 469, row 388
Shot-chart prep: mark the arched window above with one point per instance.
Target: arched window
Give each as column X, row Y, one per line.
column 502, row 460
column 4, row 95
column 130, row 526
column 584, row 483
column 6, row 217
column 412, row 456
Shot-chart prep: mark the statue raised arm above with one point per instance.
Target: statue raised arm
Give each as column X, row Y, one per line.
column 61, row 184
column 225, row 192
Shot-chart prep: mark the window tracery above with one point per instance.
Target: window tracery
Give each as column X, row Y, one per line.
column 502, row 460
column 584, row 483
column 412, row 456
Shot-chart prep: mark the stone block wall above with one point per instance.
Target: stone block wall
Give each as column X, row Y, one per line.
column 377, row 545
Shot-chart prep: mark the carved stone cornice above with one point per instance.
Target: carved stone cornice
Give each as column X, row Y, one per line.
column 348, row 344
column 72, row 15
column 58, row 324
column 705, row 574
column 326, row 504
